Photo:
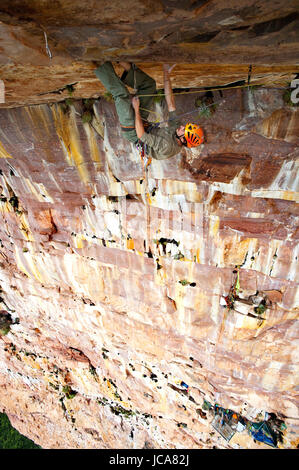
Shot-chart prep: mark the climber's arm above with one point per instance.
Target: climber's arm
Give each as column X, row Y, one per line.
column 138, row 121
column 168, row 88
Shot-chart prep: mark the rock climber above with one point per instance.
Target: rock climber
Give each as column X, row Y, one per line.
column 161, row 143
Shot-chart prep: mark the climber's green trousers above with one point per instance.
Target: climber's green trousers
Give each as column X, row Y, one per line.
column 134, row 78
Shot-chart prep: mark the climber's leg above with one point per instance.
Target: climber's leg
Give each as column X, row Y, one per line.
column 106, row 74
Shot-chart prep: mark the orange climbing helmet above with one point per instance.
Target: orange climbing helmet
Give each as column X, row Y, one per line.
column 193, row 135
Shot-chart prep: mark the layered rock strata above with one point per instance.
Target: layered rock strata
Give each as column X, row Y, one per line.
column 117, row 278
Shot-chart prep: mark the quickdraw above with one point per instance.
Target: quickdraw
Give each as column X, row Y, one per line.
column 145, row 162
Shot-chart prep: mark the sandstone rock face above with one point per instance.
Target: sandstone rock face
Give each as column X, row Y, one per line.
column 114, row 279
column 117, row 279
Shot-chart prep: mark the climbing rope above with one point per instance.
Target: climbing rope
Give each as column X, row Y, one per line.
column 134, row 75
column 145, row 162
column 247, row 85
column 145, row 159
